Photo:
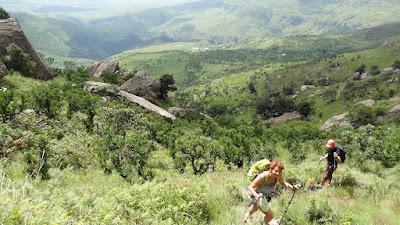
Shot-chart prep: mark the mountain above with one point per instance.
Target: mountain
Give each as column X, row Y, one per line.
column 212, row 22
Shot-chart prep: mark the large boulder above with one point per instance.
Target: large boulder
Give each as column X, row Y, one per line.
column 3, row 69
column 286, row 117
column 11, row 32
column 142, row 86
column 306, row 87
column 393, row 112
column 359, row 76
column 334, row 121
column 98, row 69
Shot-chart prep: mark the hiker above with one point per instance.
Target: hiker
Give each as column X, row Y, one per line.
column 261, row 188
column 333, row 159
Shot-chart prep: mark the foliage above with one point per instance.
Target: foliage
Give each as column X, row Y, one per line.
column 320, row 212
column 167, row 84
column 305, row 108
column 396, row 64
column 198, row 151
column 82, row 102
column 361, row 69
column 16, row 59
column 47, row 99
column 362, row 115
column 36, row 158
column 4, row 14
column 7, row 105
column 375, row 70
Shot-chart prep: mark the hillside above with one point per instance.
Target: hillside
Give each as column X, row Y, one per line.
column 210, row 23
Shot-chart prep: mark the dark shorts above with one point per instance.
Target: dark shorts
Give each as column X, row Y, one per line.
column 329, row 172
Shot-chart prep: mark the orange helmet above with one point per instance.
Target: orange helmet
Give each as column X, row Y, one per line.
column 331, row 143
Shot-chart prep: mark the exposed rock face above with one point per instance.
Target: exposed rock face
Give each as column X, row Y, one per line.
column 367, row 103
column 147, row 105
column 104, row 88
column 359, row 76
column 286, row 117
column 98, row 87
column 394, row 112
column 3, row 69
column 179, row 112
column 11, row 32
column 335, row 120
column 306, row 87
column 142, row 86
column 98, row 69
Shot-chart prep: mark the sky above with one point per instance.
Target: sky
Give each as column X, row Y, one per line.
column 100, row 7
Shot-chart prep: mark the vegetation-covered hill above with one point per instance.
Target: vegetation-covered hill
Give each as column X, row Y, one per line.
column 207, row 22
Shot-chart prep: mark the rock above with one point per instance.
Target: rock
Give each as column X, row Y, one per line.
column 334, row 121
column 142, row 86
column 98, row 87
column 387, row 70
column 306, row 87
column 178, row 112
column 388, row 81
column 393, row 112
column 367, row 103
column 286, row 117
column 11, row 32
column 98, row 69
column 109, row 89
column 147, row 105
column 29, row 111
column 359, row 76
column 3, row 69
column 3, row 89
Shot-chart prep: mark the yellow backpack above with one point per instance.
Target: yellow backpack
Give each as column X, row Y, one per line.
column 257, row 168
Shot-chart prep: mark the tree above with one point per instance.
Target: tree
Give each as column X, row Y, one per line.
column 4, row 14
column 305, row 108
column 252, row 88
column 36, row 158
column 396, row 64
column 197, row 150
column 167, row 84
column 375, row 70
column 288, row 90
column 16, row 59
column 47, row 99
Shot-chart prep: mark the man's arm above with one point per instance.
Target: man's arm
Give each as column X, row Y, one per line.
column 256, row 183
column 337, row 157
column 324, row 157
column 285, row 184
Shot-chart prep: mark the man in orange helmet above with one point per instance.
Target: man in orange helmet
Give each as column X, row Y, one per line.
column 333, row 159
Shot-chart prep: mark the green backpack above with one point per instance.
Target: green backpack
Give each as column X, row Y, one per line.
column 257, row 168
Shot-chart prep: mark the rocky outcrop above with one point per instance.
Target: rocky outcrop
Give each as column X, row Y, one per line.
column 11, row 32
column 389, row 70
column 306, row 87
column 394, row 112
column 98, row 69
column 286, row 117
column 142, row 86
column 100, row 88
column 147, row 105
column 180, row 112
column 3, row 69
column 367, row 103
column 108, row 89
column 334, row 121
column 359, row 76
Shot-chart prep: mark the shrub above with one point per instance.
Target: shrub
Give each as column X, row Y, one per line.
column 16, row 59
column 47, row 99
column 396, row 64
column 345, row 178
column 329, row 94
column 199, row 151
column 36, row 158
column 320, row 212
column 7, row 105
column 305, row 108
column 288, row 90
column 83, row 102
column 167, row 84
column 375, row 70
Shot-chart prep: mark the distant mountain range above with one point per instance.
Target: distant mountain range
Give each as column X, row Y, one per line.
column 209, row 21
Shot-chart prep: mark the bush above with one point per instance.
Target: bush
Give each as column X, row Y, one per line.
column 80, row 101
column 167, row 84
column 344, row 177
column 396, row 64
column 375, row 70
column 3, row 14
column 361, row 69
column 17, row 60
column 320, row 212
column 305, row 108
column 47, row 99
column 7, row 105
column 199, row 151
column 36, row 158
